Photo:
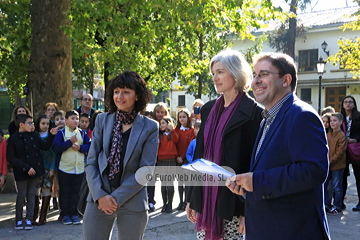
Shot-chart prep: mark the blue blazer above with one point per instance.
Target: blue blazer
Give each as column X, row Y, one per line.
column 288, row 176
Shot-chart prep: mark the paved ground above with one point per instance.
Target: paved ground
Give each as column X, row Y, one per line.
column 174, row 226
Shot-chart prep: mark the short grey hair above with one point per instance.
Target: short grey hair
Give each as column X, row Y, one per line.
column 234, row 62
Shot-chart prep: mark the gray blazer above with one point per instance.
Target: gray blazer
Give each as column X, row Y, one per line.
column 141, row 151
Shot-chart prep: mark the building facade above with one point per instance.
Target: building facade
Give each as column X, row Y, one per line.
column 322, row 26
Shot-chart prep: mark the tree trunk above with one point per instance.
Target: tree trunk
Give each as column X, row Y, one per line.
column 50, row 75
column 200, row 76
column 290, row 45
column 106, row 79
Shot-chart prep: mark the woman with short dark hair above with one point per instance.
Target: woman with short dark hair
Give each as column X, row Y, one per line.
column 123, row 141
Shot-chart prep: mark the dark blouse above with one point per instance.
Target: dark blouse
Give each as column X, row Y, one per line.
column 115, row 182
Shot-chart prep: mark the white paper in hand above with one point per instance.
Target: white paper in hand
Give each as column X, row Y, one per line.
column 204, row 166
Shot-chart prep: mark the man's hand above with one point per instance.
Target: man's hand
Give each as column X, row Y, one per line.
column 107, row 204
column 190, row 213
column 241, row 183
column 31, row 172
column 73, row 139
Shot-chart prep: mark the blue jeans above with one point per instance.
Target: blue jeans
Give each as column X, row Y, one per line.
column 334, row 187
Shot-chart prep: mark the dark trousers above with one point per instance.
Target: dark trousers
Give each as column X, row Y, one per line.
column 356, row 168
column 25, row 190
column 151, row 194
column 344, row 181
column 69, row 186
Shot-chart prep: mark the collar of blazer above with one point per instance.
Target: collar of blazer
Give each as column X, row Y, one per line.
column 136, row 131
column 278, row 119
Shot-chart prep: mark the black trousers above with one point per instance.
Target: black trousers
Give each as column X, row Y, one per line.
column 69, row 189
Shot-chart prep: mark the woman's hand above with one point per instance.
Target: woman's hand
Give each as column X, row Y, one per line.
column 190, row 213
column 352, row 140
column 107, row 204
column 241, row 228
column 2, row 180
column 179, row 160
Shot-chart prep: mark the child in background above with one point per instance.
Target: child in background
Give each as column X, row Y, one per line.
column 23, row 153
column 167, row 154
column 149, row 114
column 59, row 120
column 71, row 144
column 3, row 160
column 186, row 135
column 196, row 107
column 326, row 121
column 42, row 127
column 337, row 156
column 160, row 111
column 93, row 119
column 191, row 149
column 84, row 122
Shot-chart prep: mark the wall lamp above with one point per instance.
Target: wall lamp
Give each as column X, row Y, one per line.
column 324, row 45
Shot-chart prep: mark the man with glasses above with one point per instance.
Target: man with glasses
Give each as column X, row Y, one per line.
column 87, row 102
column 284, row 188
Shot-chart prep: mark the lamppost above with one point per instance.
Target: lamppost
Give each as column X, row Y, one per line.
column 320, row 66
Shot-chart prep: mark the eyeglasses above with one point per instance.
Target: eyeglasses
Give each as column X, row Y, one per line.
column 263, row 74
column 87, row 99
column 30, row 123
column 348, row 102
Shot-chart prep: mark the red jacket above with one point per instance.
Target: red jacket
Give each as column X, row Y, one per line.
column 167, row 148
column 3, row 160
column 185, row 137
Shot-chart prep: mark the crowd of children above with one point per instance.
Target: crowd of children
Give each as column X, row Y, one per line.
column 176, row 147
column 48, row 158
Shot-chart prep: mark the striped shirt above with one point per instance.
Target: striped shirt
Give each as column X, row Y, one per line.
column 269, row 117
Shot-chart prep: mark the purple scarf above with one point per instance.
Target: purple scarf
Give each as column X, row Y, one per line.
column 117, row 140
column 214, row 129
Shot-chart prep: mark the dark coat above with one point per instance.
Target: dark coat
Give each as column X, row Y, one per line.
column 23, row 153
column 79, row 111
column 355, row 126
column 237, row 143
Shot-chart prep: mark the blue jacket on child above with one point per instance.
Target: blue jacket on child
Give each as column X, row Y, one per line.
column 61, row 146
